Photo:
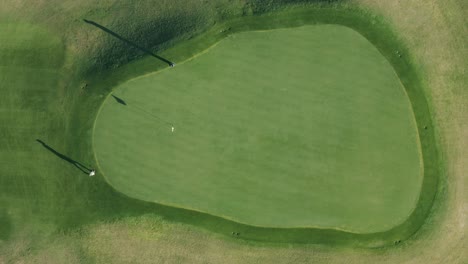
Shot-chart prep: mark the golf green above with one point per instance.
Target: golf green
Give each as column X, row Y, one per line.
column 299, row 127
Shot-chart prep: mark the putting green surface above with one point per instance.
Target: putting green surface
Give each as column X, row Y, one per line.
column 302, row 127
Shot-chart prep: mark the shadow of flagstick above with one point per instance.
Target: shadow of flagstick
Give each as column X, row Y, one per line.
column 77, row 164
column 129, row 42
column 134, row 105
column 119, row 100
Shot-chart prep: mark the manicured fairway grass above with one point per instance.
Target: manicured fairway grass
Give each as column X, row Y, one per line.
column 30, row 70
column 302, row 127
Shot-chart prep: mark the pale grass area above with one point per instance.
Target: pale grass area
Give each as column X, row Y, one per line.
column 436, row 32
column 186, row 246
column 30, row 247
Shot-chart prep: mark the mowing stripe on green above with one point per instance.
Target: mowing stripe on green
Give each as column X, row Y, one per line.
column 302, row 127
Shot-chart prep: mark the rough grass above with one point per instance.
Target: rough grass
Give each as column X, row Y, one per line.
column 435, row 32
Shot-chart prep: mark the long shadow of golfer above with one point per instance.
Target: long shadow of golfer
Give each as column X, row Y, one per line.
column 129, row 42
column 80, row 166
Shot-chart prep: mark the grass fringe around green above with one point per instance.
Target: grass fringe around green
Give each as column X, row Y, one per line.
column 372, row 27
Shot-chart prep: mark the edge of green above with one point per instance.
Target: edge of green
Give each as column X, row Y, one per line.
column 381, row 35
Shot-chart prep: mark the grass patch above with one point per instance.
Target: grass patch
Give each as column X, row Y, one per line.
column 272, row 129
column 385, row 40
column 39, row 191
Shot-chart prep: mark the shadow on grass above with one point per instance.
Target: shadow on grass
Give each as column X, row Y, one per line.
column 129, row 42
column 134, row 105
column 119, row 100
column 77, row 164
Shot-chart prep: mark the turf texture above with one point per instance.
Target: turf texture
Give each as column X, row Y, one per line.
column 303, row 127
